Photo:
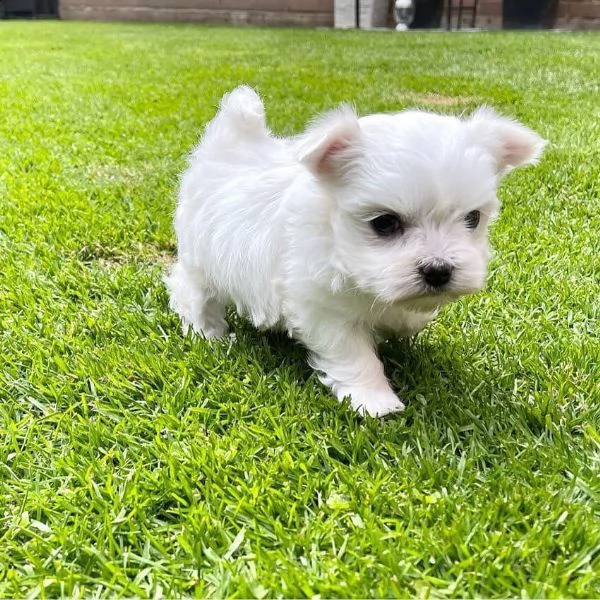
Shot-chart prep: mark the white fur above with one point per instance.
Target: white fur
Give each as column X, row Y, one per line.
column 280, row 228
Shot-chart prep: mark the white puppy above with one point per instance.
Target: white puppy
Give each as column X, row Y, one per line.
column 359, row 227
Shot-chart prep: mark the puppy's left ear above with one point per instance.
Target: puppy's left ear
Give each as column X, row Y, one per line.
column 331, row 144
column 509, row 142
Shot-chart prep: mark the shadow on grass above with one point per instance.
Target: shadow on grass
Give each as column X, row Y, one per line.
column 434, row 378
column 460, row 397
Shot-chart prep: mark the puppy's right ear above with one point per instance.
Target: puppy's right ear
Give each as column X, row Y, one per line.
column 510, row 143
column 331, row 144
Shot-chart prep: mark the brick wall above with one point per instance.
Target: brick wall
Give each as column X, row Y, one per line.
column 578, row 14
column 489, row 14
column 258, row 12
column 568, row 14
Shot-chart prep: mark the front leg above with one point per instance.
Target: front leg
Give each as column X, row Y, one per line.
column 346, row 362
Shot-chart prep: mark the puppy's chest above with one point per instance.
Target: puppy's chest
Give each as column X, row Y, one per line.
column 397, row 321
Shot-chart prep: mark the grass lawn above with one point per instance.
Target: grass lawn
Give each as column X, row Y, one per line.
column 135, row 461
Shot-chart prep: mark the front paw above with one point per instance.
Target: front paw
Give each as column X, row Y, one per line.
column 375, row 403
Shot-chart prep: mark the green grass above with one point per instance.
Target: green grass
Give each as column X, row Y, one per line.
column 138, row 462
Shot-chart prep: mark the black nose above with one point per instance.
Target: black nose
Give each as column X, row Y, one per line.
column 436, row 273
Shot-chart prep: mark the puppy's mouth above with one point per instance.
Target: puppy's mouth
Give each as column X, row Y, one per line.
column 431, row 298
column 426, row 301
column 417, row 295
column 448, row 292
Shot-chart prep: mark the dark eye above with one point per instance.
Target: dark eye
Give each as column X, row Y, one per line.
column 386, row 225
column 472, row 219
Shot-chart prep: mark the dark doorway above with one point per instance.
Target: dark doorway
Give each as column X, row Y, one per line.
column 28, row 8
column 47, row 8
column 428, row 14
column 528, row 14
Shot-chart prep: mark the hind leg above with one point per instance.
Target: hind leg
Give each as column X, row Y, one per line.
column 198, row 308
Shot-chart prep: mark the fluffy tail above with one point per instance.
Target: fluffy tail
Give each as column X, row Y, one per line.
column 245, row 107
column 236, row 137
column 241, row 116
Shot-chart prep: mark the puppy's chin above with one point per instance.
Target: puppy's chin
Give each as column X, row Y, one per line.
column 427, row 301
column 424, row 304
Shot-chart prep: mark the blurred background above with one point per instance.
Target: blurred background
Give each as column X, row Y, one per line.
column 368, row 14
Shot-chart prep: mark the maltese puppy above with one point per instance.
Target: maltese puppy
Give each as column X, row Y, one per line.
column 356, row 230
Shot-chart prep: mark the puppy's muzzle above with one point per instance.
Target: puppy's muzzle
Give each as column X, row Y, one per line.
column 436, row 273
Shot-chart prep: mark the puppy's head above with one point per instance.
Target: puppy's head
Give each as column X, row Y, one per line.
column 411, row 197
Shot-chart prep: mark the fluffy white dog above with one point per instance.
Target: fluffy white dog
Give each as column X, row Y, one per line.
column 358, row 228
